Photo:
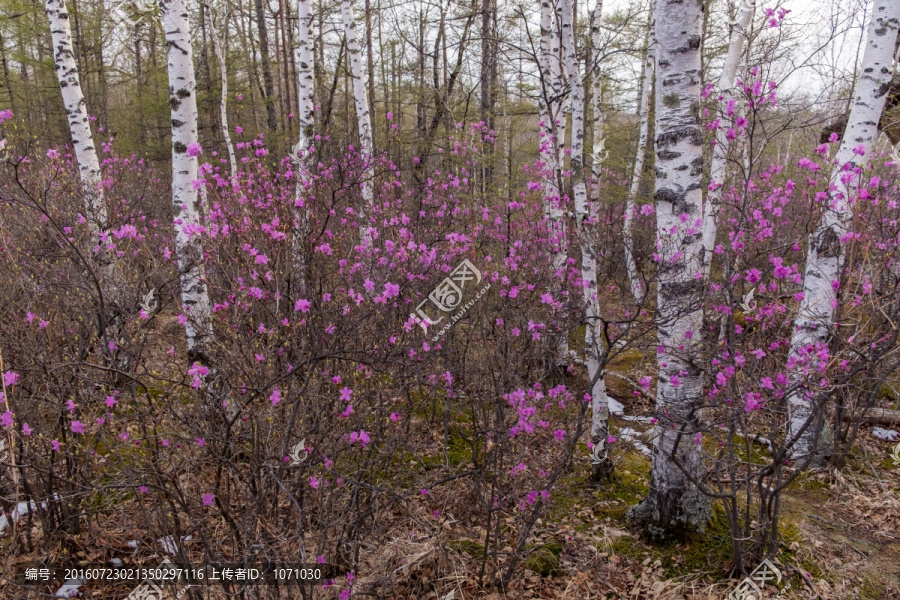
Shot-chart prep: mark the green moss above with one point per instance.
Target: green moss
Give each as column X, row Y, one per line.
column 629, row 484
column 459, row 451
column 869, row 589
column 808, row 481
column 629, row 547
column 887, row 392
column 888, row 464
column 706, row 551
column 544, row 559
column 470, row 547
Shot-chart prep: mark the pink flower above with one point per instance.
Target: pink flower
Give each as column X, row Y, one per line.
column 314, row 483
column 10, row 378
column 302, row 305
column 239, row 130
column 752, row 403
column 77, row 427
column 26, row 429
column 194, row 149
column 610, row 440
column 275, row 397
column 111, row 401
column 391, row 290
column 395, row 416
column 423, row 491
column 7, row 419
column 345, row 394
column 209, row 499
column 200, row 441
column 54, row 444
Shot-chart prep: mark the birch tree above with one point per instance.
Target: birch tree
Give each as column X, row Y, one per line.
column 80, row 130
column 597, row 386
column 305, row 84
column 647, row 71
column 826, row 252
column 223, row 104
column 596, row 98
column 550, row 156
column 363, row 118
column 673, row 501
column 725, row 88
column 185, row 149
column 304, row 149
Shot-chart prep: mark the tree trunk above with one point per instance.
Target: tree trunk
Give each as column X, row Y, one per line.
column 720, row 150
column 139, row 78
column 592, row 335
column 268, row 89
column 637, row 287
column 364, row 123
column 305, row 120
column 673, row 502
column 825, row 257
column 485, row 84
column 186, row 214
column 370, row 61
column 554, row 212
column 223, row 105
column 79, row 126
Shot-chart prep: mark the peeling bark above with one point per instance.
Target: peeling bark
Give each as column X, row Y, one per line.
column 825, row 258
column 592, row 341
column 648, row 68
column 363, row 118
column 79, row 127
column 719, row 158
column 673, row 502
column 186, row 214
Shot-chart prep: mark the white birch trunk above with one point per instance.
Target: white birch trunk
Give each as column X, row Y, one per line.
column 188, row 240
column 557, row 83
column 599, row 401
column 826, row 252
column 550, row 152
column 80, row 129
column 363, row 118
column 223, row 105
column 673, row 501
column 720, row 152
column 306, row 120
column 637, row 287
column 597, row 155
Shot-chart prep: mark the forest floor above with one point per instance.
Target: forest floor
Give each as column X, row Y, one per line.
column 840, row 541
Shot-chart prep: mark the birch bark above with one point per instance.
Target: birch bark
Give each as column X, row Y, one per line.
column 306, row 120
column 363, row 118
column 648, row 68
column 725, row 87
column 79, row 128
column 185, row 148
column 223, row 105
column 597, row 157
column 550, row 153
column 825, row 257
column 673, row 502
column 597, row 386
